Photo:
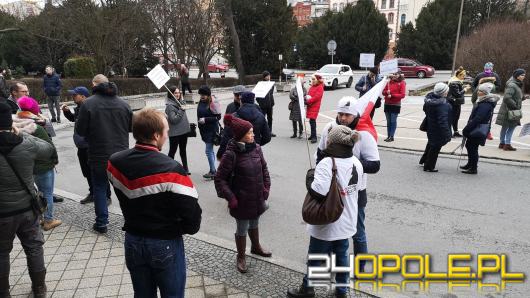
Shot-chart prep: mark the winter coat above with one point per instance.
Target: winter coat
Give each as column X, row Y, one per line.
column 232, row 107
column 456, row 92
column 177, row 119
column 79, row 141
column 211, row 125
column 494, row 79
column 52, row 84
column 243, row 175
column 481, row 114
column 512, row 100
column 22, row 151
column 295, row 114
column 105, row 121
column 313, row 104
column 267, row 102
column 366, row 81
column 438, row 113
column 397, row 91
column 12, row 103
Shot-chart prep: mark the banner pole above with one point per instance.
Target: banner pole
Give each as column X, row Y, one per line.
column 173, row 95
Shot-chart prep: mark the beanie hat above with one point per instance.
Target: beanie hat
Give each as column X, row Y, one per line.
column 247, row 97
column 265, row 74
column 342, row 135
column 518, row 72
column 348, row 105
column 239, row 126
column 205, row 90
column 440, row 88
column 6, row 120
column 317, row 77
column 488, row 66
column 486, row 88
column 239, row 89
column 29, row 104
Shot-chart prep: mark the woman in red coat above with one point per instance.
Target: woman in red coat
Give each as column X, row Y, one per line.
column 393, row 93
column 313, row 100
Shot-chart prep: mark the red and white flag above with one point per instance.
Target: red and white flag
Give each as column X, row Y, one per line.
column 364, row 106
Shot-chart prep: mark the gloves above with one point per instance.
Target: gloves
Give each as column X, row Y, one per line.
column 202, row 121
column 232, row 203
column 308, row 97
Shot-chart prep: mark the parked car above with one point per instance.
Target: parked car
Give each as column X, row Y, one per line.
column 217, row 67
column 412, row 68
column 335, row 75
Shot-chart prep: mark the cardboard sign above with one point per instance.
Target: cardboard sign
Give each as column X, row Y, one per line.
column 158, row 76
column 300, row 92
column 366, row 60
column 262, row 88
column 525, row 130
column 388, row 67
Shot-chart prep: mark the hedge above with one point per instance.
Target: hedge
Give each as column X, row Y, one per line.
column 80, row 67
column 130, row 86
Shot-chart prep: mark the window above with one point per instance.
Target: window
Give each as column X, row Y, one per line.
column 391, row 18
column 341, row 6
column 403, row 19
column 391, row 4
column 383, row 4
column 335, row 7
column 390, row 33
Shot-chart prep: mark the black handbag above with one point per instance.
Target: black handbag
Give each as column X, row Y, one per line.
column 423, row 125
column 481, row 131
column 38, row 202
column 218, row 136
column 193, row 131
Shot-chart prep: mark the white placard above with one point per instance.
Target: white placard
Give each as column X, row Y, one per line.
column 300, row 92
column 388, row 67
column 158, row 76
column 525, row 130
column 366, row 60
column 262, row 88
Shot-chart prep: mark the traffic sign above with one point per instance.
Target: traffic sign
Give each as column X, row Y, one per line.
column 332, row 45
column 332, row 53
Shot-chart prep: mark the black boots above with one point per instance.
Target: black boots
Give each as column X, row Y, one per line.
column 302, row 292
column 470, row 171
column 294, row 135
column 38, row 284
column 389, row 139
column 256, row 246
column 241, row 245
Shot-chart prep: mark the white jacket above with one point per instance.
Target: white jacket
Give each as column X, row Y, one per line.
column 346, row 226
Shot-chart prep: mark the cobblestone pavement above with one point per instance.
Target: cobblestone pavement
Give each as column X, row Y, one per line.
column 81, row 263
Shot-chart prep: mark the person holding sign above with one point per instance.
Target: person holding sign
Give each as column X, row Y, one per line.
column 394, row 93
column 266, row 103
column 313, row 100
column 208, row 127
column 366, row 83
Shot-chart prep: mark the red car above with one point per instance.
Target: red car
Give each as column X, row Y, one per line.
column 217, row 67
column 412, row 68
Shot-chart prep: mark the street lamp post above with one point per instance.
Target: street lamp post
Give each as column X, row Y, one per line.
column 457, row 35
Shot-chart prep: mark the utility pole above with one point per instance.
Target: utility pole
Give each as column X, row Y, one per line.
column 457, row 35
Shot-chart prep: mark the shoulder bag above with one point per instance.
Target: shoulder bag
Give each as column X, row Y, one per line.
column 324, row 211
column 515, row 115
column 481, row 131
column 38, row 202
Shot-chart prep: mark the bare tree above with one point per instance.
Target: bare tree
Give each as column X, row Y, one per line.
column 225, row 6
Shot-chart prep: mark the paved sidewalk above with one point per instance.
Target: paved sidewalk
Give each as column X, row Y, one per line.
column 82, row 263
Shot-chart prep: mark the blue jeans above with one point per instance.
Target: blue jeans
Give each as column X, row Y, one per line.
column 211, row 157
column 391, row 123
column 45, row 183
column 156, row 263
column 360, row 244
column 340, row 249
column 101, row 190
column 506, row 135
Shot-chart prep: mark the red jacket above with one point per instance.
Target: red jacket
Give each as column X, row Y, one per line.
column 313, row 104
column 397, row 92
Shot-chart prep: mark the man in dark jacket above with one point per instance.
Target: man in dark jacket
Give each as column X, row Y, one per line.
column 159, row 204
column 16, row 91
column 250, row 112
column 366, row 83
column 52, row 88
column 18, row 153
column 266, row 104
column 234, row 106
column 105, row 121
column 79, row 95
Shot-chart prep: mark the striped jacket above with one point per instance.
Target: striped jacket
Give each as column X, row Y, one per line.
column 156, row 196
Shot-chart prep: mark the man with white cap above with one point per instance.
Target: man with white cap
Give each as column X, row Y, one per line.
column 366, row 151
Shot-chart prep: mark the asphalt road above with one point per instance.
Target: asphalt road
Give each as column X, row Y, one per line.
column 409, row 211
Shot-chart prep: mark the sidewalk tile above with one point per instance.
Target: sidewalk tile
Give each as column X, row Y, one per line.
column 94, row 272
column 110, row 280
column 215, row 290
column 50, row 276
column 86, row 293
column 21, row 289
column 67, row 284
column 63, row 294
column 89, row 282
column 102, row 253
column 126, row 290
column 77, row 256
column 194, row 293
column 61, row 258
column 240, row 295
column 52, row 243
column 50, row 251
column 73, row 274
column 57, row 266
column 114, row 269
column 208, row 281
column 66, row 249
column 108, row 291
column 115, row 261
column 96, row 262
column 72, row 265
column 194, row 281
column 126, row 278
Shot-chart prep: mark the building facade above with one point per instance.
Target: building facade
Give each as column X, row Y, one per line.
column 302, row 13
column 22, row 9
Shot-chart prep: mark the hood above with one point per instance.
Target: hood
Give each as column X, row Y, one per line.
column 493, row 98
column 106, row 89
column 515, row 81
column 433, row 99
column 25, row 125
column 239, row 147
column 249, row 112
column 8, row 141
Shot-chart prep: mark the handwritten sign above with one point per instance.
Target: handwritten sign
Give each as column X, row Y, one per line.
column 158, row 76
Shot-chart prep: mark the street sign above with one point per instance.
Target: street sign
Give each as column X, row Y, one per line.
column 332, row 53
column 388, row 67
column 366, row 60
column 332, row 45
column 280, row 57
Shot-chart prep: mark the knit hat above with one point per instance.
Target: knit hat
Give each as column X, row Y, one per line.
column 266, row 74
column 342, row 135
column 486, row 88
column 317, row 77
column 247, row 97
column 518, row 72
column 239, row 126
column 205, row 90
column 6, row 120
column 348, row 105
column 440, row 88
column 29, row 104
column 488, row 66
column 239, row 89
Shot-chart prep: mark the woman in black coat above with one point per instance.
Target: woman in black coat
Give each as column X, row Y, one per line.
column 456, row 97
column 208, row 126
column 481, row 114
column 438, row 114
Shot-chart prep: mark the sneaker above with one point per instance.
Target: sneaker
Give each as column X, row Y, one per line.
column 88, row 199
column 50, row 224
column 273, row 135
column 470, row 171
column 209, row 175
column 301, row 292
column 293, row 136
column 313, row 140
column 99, row 229
column 57, row 199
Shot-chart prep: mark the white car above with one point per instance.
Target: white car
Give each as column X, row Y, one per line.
column 335, row 75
